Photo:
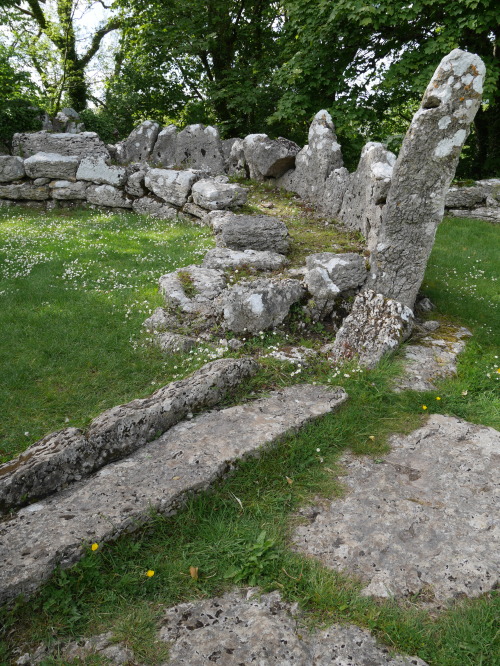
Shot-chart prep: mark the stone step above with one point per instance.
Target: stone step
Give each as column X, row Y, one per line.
column 119, row 497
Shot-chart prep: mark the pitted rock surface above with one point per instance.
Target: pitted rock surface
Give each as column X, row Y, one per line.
column 172, row 186
column 199, row 147
column 251, row 232
column 120, row 497
column 223, row 258
column 375, row 327
column 82, row 144
column 431, row 358
column 240, row 629
column 423, row 520
column 163, row 154
column 137, row 147
column 69, row 454
column 268, row 158
column 205, row 283
column 213, row 195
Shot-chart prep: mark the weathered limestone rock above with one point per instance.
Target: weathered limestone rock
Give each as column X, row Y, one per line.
column 107, row 195
column 67, row 120
column 193, row 289
column 122, row 496
column 154, row 208
column 431, row 358
column 268, row 158
column 97, row 171
column 367, row 190
column 160, row 320
column 65, row 190
column 163, row 154
column 222, row 259
column 481, row 213
column 51, row 165
column 196, row 211
column 259, row 304
column 135, row 184
column 69, row 455
column 83, row 144
column 200, row 147
column 466, row 197
column 419, row 522
column 375, row 327
column 11, row 168
column 172, row 186
column 137, row 147
column 214, row 195
column 252, row 232
column 236, row 164
column 346, row 270
column 244, row 628
column 173, row 342
column 26, row 191
column 422, row 174
column 334, row 191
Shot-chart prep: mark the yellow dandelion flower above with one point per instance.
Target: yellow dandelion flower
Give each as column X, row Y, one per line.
column 498, row 370
column 94, row 546
column 424, row 406
column 150, row 573
column 438, row 398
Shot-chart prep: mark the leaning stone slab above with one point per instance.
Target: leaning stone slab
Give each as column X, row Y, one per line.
column 97, row 171
column 200, row 147
column 154, row 208
column 107, row 195
column 243, row 627
column 375, row 327
column 137, row 147
column 430, row 359
column 251, row 232
column 121, row 496
column 212, row 195
column 193, row 289
column 82, row 144
column 259, row 304
column 64, row 190
column 223, row 258
column 422, row 175
column 11, row 168
column 172, row 186
column 422, row 521
column 24, row 191
column 268, row 158
column 69, row 454
column 51, row 165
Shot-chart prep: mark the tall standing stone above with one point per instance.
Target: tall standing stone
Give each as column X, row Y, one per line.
column 422, row 175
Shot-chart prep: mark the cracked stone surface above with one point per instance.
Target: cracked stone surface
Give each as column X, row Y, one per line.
column 421, row 521
column 251, row 232
column 120, row 497
column 82, row 144
column 431, row 358
column 222, row 258
column 137, row 147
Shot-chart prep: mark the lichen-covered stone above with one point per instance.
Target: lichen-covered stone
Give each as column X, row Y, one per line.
column 83, row 144
column 135, row 184
column 193, row 289
column 346, row 270
column 24, row 191
column 259, row 304
column 174, row 342
column 157, row 209
column 11, row 168
column 466, row 197
column 214, row 195
column 107, row 195
column 138, row 146
column 375, row 327
column 172, row 186
column 490, row 214
column 122, row 496
column 251, row 232
column 223, row 258
column 200, row 147
column 51, row 165
column 422, row 174
column 268, row 158
column 163, row 153
column 97, row 171
column 420, row 521
column 65, row 190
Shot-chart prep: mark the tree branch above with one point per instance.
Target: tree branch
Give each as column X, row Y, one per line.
column 113, row 24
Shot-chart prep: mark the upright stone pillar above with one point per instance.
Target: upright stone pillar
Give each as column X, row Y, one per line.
column 422, row 175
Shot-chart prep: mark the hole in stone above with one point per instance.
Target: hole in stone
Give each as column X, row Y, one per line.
column 203, row 152
column 432, row 102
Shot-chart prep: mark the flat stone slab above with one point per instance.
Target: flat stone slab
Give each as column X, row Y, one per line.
column 119, row 497
column 423, row 520
column 430, row 359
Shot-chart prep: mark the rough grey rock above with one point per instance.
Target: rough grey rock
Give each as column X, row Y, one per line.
column 259, row 304
column 431, row 358
column 419, row 522
column 244, row 628
column 200, row 147
column 172, row 186
column 251, row 232
column 154, row 208
column 66, row 190
column 83, row 144
column 26, row 191
column 366, row 192
column 173, row 342
column 466, row 197
column 137, row 147
column 41, row 181
column 11, row 168
column 334, row 191
column 121, row 496
column 163, row 154
column 236, row 164
column 69, row 454
column 489, row 214
column 97, row 171
column 375, row 327
column 135, row 184
column 346, row 270
column 422, row 174
column 222, row 259
column 107, row 195
column 160, row 320
column 214, row 195
column 51, row 165
column 202, row 284
column 196, row 211
column 268, row 158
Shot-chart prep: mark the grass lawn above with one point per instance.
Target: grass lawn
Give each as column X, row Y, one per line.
column 75, row 289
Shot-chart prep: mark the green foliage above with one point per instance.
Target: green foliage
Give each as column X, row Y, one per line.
column 104, row 124
column 255, row 562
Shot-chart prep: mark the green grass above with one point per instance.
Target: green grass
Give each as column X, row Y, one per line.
column 218, row 532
